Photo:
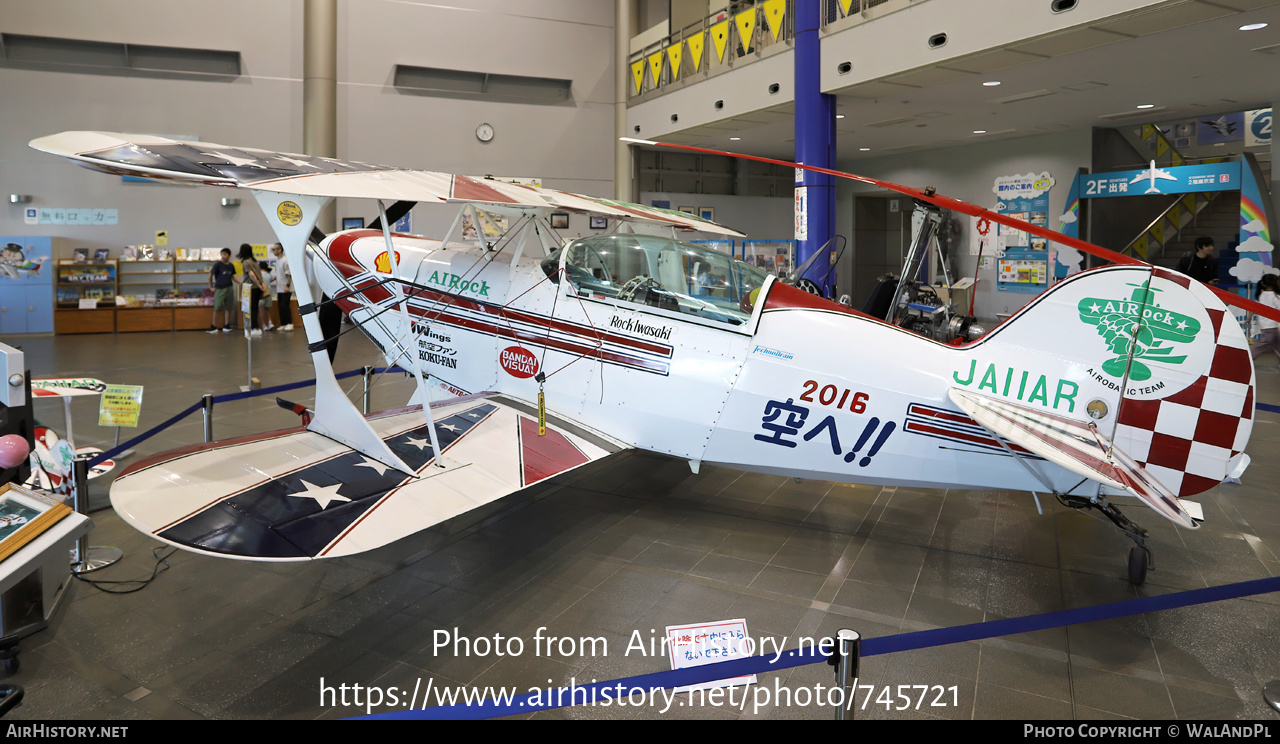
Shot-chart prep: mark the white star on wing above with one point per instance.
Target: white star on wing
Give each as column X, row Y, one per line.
column 421, row 444
column 451, row 427
column 236, row 160
column 323, row 495
column 369, row 462
column 295, row 161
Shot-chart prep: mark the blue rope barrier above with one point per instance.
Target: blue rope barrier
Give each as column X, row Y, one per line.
column 532, row 702
column 1268, row 407
column 224, row 399
column 144, row 435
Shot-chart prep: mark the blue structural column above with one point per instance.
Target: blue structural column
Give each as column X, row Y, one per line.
column 815, row 145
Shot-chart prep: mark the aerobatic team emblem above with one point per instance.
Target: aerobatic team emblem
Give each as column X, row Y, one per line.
column 289, row 213
column 1140, row 328
column 519, row 362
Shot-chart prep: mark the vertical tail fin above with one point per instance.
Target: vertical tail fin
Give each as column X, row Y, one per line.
column 1150, row 357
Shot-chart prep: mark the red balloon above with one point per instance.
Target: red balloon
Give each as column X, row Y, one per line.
column 13, row 450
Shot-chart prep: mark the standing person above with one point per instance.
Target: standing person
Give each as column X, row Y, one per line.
column 221, row 275
column 284, row 288
column 1268, row 288
column 253, row 276
column 264, row 307
column 1200, row 263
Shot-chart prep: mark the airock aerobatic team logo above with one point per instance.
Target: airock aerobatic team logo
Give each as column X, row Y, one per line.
column 1139, row 328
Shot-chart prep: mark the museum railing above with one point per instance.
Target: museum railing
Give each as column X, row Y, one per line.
column 735, row 35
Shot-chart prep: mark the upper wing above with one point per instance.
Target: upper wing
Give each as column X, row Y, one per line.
column 1073, row 445
column 295, row 495
column 212, row 164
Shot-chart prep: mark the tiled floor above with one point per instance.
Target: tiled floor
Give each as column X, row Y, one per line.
column 638, row 543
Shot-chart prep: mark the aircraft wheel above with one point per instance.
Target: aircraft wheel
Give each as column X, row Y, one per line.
column 1137, row 566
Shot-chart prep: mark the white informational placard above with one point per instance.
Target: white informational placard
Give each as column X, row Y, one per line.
column 697, row 644
column 88, row 303
column 802, row 213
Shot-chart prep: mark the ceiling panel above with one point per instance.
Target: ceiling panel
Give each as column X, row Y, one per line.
column 1066, row 42
column 1165, row 18
column 927, row 76
column 996, row 59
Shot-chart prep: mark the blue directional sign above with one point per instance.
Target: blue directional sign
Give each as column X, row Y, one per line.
column 1183, row 179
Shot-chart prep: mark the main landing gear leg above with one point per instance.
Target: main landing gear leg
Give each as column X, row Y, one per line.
column 1140, row 558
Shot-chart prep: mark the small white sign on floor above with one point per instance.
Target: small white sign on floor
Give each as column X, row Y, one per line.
column 697, row 644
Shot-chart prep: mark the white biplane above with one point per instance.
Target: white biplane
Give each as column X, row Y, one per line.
column 1124, row 380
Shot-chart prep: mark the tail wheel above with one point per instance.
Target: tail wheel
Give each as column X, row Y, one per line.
column 1137, row 565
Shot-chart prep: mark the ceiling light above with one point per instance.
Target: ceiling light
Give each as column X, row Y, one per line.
column 839, row 116
column 864, row 149
column 1146, row 105
column 979, row 131
column 1252, row 26
column 991, row 83
column 735, row 139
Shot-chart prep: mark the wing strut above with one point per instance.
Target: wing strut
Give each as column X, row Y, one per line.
column 293, row 217
column 407, row 334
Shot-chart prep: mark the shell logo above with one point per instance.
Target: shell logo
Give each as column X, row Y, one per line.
column 382, row 264
column 519, row 362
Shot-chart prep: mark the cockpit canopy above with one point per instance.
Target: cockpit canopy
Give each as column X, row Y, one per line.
column 660, row 272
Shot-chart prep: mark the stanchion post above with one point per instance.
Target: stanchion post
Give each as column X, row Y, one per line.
column 87, row 558
column 207, row 405
column 80, row 502
column 1271, row 693
column 368, row 389
column 848, row 650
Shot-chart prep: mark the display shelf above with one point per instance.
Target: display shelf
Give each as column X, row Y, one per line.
column 77, row 281
column 159, row 282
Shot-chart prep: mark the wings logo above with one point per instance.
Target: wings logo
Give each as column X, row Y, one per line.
column 1138, row 327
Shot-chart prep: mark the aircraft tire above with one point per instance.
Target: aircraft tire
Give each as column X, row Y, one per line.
column 1137, row 566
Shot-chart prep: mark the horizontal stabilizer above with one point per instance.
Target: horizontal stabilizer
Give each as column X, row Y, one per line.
column 296, row 495
column 1074, row 445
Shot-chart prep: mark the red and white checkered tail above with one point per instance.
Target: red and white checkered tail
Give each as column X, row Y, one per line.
column 1190, row 433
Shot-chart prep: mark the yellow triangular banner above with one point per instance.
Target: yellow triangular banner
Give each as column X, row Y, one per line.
column 696, row 43
column 1147, row 131
column 1177, row 158
column 655, row 66
column 637, row 72
column 674, row 53
column 746, row 23
column 1189, row 201
column 1157, row 232
column 774, row 12
column 1162, row 146
column 1140, row 247
column 844, row 6
column 720, row 37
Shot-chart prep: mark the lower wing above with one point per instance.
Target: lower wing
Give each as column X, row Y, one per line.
column 296, row 495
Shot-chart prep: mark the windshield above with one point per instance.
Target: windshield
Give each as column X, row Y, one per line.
column 659, row 272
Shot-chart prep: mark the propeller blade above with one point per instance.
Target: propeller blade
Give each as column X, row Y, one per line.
column 394, row 213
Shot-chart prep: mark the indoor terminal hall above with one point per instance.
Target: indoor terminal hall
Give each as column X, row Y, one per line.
column 641, row 360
